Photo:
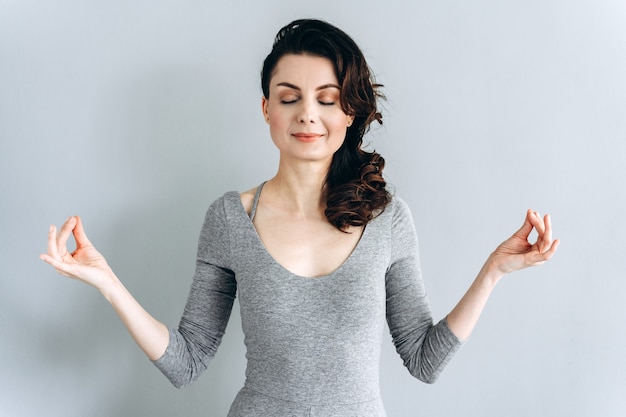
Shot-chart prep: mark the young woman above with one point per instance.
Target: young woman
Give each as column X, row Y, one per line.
column 320, row 255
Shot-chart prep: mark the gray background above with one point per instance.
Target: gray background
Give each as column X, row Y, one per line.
column 136, row 115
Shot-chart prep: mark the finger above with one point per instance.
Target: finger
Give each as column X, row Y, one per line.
column 64, row 234
column 540, row 258
column 553, row 248
column 61, row 267
column 537, row 221
column 80, row 235
column 53, row 250
column 546, row 240
column 527, row 227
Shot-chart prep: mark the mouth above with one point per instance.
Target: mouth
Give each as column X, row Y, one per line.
column 307, row 137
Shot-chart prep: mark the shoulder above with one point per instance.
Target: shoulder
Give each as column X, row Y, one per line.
column 247, row 199
column 402, row 225
column 223, row 216
column 398, row 211
column 233, row 205
column 402, row 229
column 398, row 204
column 224, row 207
column 396, row 221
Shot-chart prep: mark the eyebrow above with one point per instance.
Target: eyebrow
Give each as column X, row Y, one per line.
column 321, row 87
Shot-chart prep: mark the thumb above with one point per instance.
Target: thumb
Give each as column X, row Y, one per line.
column 79, row 233
column 527, row 227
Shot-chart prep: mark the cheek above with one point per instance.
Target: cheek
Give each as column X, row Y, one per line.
column 278, row 115
column 278, row 123
column 339, row 126
column 337, row 135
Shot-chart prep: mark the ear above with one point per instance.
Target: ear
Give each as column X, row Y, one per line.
column 350, row 121
column 264, row 105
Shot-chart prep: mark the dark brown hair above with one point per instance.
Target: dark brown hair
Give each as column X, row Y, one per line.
column 355, row 189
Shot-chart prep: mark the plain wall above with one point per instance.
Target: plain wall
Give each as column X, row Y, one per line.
column 137, row 115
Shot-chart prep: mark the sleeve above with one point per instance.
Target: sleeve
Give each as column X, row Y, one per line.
column 425, row 348
column 194, row 343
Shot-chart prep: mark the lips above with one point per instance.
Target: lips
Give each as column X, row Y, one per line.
column 307, row 137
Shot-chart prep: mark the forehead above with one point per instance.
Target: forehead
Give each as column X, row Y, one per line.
column 304, row 70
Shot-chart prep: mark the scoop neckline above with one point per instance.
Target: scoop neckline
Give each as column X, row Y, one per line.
column 266, row 253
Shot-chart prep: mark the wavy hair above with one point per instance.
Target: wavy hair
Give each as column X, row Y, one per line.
column 354, row 189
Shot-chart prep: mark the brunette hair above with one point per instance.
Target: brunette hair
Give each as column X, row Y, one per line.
column 355, row 189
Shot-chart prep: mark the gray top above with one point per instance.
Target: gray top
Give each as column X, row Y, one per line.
column 313, row 344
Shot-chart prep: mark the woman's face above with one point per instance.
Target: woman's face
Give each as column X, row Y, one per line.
column 303, row 109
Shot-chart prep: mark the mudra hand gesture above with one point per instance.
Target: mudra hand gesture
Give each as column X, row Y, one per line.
column 517, row 253
column 85, row 263
column 513, row 254
column 88, row 265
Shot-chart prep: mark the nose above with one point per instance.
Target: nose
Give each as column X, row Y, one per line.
column 308, row 113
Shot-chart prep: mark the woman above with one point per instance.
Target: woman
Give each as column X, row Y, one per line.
column 320, row 255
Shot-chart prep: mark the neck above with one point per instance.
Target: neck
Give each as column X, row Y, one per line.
column 298, row 187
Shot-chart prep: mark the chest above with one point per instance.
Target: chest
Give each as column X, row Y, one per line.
column 274, row 263
column 346, row 303
column 306, row 247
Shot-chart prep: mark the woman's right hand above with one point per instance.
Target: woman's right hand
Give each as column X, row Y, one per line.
column 85, row 263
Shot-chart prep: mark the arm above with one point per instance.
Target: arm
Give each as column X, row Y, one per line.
column 424, row 347
column 194, row 343
column 513, row 254
column 86, row 264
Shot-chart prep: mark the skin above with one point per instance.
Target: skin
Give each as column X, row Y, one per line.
column 307, row 125
column 513, row 254
column 86, row 264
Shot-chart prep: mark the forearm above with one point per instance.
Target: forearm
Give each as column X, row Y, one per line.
column 513, row 254
column 151, row 335
column 463, row 318
column 86, row 264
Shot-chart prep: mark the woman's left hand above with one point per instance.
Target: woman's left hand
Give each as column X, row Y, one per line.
column 513, row 254
column 517, row 253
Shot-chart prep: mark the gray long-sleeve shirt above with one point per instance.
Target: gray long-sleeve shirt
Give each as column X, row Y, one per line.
column 313, row 344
